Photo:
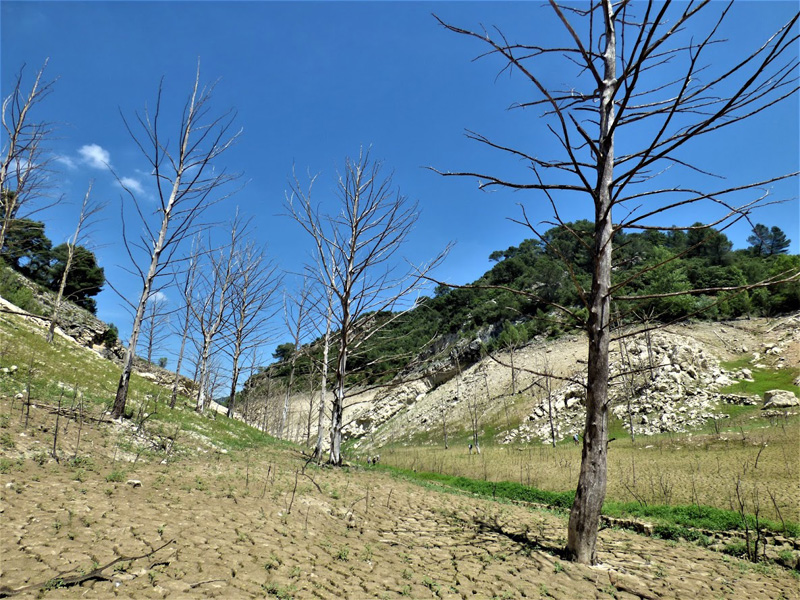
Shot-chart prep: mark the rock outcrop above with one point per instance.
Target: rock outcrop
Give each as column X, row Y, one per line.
column 780, row 399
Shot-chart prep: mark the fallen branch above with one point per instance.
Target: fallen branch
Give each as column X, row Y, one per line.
column 60, row 581
column 199, row 583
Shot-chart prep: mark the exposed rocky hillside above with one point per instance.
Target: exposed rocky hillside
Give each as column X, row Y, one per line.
column 677, row 375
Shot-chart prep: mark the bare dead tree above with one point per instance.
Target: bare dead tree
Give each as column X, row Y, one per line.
column 155, row 327
column 187, row 180
column 296, row 318
column 186, row 287
column 89, row 210
column 359, row 245
column 212, row 303
column 324, row 364
column 545, row 384
column 252, row 299
column 24, row 166
column 638, row 68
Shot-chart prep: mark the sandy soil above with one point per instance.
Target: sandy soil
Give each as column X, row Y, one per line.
column 255, row 525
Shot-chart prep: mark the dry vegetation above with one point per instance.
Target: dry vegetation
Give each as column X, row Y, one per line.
column 686, row 469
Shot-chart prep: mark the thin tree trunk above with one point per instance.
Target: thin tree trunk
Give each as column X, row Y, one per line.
column 584, row 517
column 323, row 388
column 57, row 307
column 234, row 381
column 287, row 397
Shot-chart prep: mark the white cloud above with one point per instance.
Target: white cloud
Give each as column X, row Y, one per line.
column 132, row 184
column 158, row 297
column 95, row 156
column 67, row 162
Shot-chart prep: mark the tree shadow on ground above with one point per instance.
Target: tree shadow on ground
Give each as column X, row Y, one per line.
column 523, row 539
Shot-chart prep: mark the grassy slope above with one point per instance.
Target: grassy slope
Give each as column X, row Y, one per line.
column 64, row 370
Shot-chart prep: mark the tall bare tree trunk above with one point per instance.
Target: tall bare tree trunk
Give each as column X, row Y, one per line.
column 323, row 390
column 584, row 517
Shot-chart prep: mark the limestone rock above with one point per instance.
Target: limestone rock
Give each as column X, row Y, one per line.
column 780, row 399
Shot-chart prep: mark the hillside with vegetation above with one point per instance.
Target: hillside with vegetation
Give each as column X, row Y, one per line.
column 533, row 292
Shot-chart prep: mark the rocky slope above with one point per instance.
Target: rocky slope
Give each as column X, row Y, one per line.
column 666, row 380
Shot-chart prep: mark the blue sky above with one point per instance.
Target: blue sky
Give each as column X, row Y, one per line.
column 314, row 81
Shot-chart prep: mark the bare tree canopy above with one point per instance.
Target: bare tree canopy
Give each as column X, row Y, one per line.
column 24, row 166
column 187, row 181
column 90, row 210
column 642, row 89
column 357, row 250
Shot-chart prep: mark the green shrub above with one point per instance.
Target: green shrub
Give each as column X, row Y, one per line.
column 13, row 290
column 116, row 476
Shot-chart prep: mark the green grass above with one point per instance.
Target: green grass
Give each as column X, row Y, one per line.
column 61, row 369
column 763, row 381
column 671, row 522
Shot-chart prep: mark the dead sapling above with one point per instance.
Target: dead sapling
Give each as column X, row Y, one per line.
column 55, row 431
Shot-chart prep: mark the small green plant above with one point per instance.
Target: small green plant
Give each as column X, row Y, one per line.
column 273, row 562
column 57, row 525
column 405, row 590
column 279, row 591
column 115, row 476
column 121, row 567
column 407, row 574
column 786, row 555
column 343, row 553
column 366, row 553
column 735, row 549
column 40, row 458
column 431, row 585
column 558, row 567
column 6, row 441
column 53, row 584
column 610, row 590
column 543, row 591
column 81, row 462
column 5, row 465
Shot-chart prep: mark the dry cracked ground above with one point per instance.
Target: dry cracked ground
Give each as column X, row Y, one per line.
column 257, row 524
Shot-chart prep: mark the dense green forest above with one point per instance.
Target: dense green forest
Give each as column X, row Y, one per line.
column 27, row 250
column 534, row 290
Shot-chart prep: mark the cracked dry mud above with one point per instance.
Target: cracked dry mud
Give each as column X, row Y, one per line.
column 242, row 528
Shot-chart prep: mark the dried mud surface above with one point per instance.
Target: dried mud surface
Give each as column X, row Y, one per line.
column 257, row 525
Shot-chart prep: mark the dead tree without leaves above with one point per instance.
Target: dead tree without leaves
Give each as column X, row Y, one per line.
column 186, row 280
column 252, row 304
column 155, row 327
column 358, row 246
column 211, row 306
column 296, row 318
column 25, row 167
column 88, row 213
column 187, row 180
column 642, row 69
